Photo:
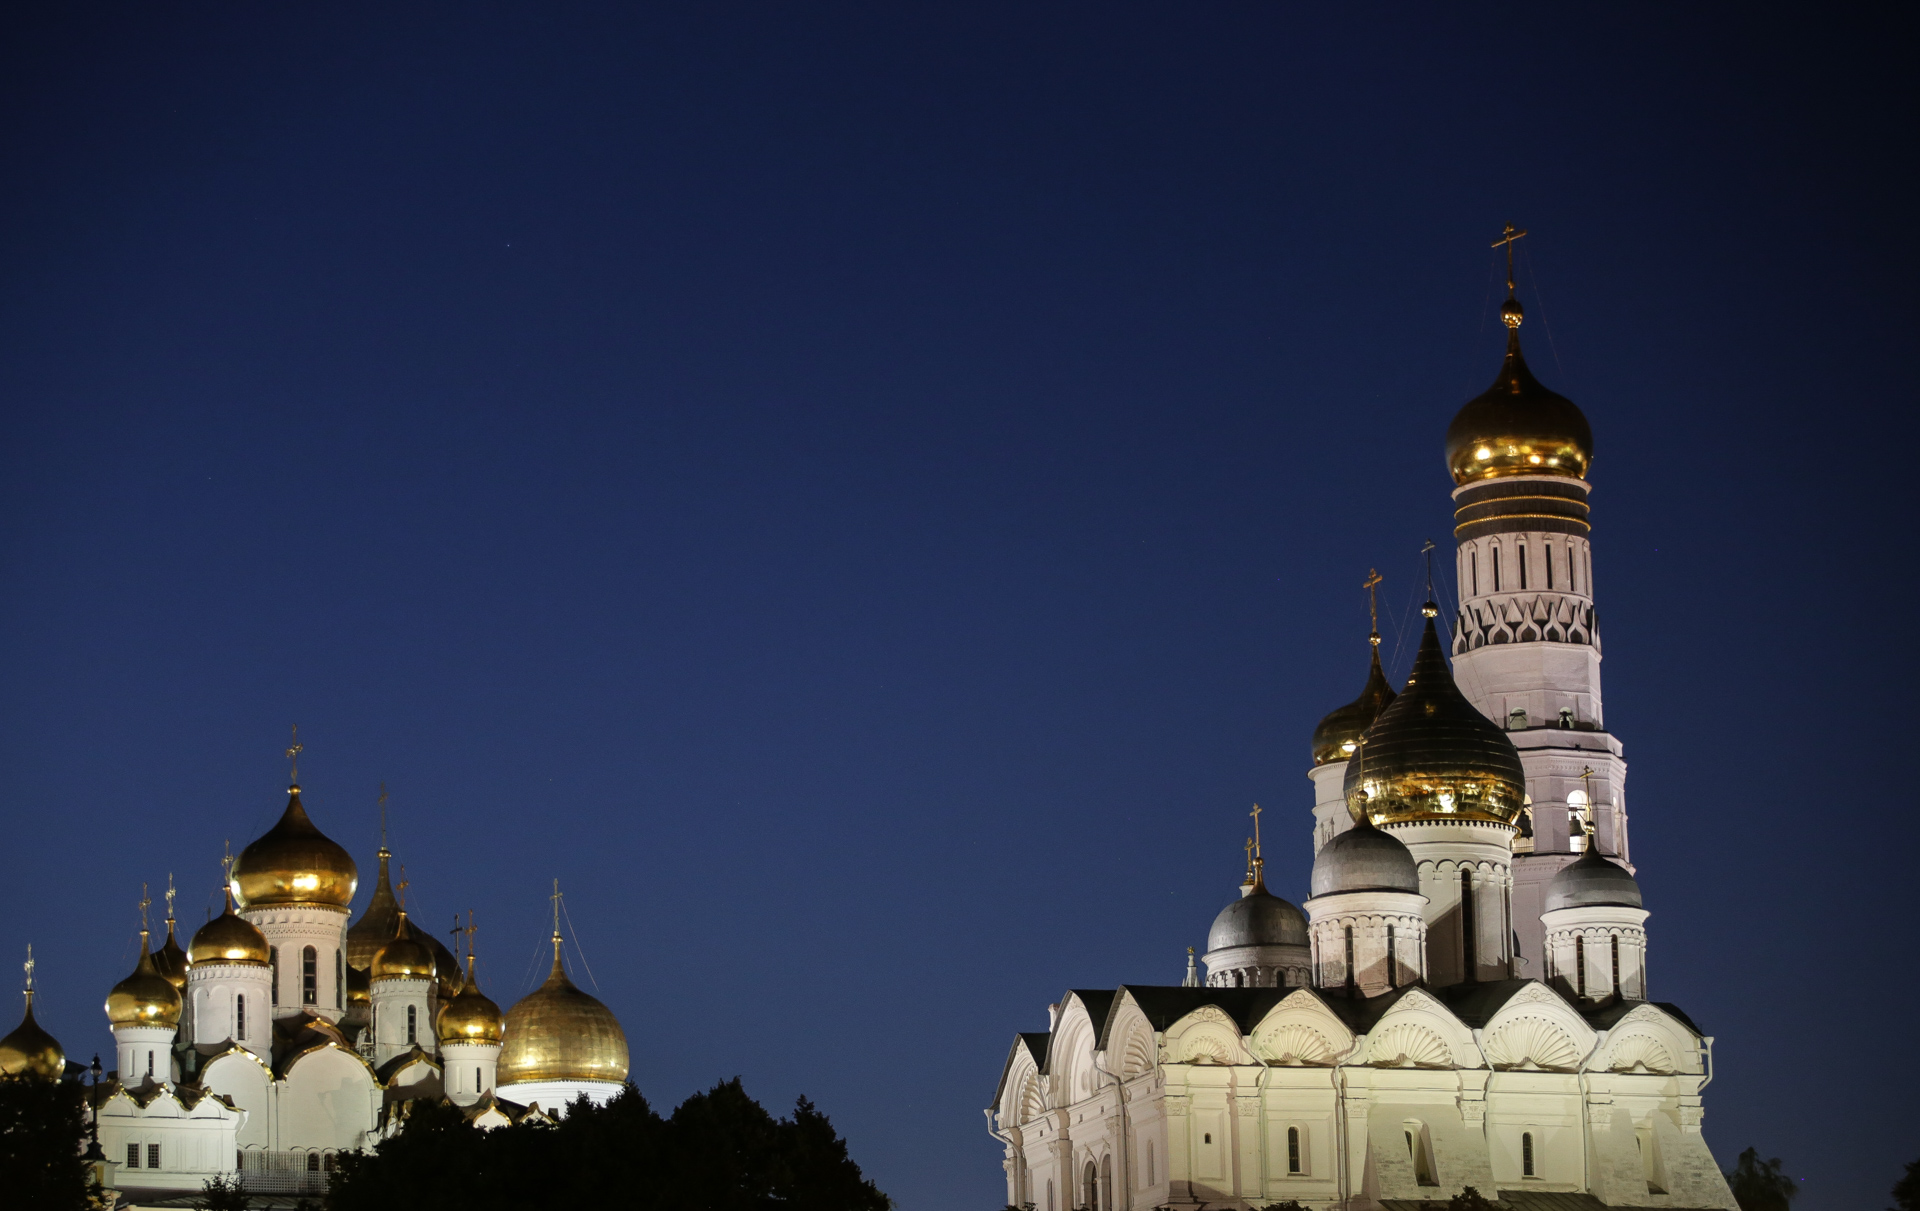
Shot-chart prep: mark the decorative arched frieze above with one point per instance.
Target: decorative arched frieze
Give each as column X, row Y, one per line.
column 1205, row 1036
column 1531, row 1042
column 1301, row 1030
column 1408, row 1045
column 1638, row 1051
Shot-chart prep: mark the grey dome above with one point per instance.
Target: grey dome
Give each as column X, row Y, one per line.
column 1591, row 882
column 1258, row 918
column 1364, row 859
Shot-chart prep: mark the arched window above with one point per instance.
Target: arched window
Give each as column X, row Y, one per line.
column 412, row 1024
column 1106, row 1180
column 273, row 967
column 313, row 1162
column 1546, row 552
column 1526, row 1154
column 240, row 1016
column 1090, row 1178
column 1293, row 1150
column 1573, row 567
column 309, row 976
column 1393, row 966
column 1351, row 976
column 1616, row 964
column 1416, row 1135
column 1496, row 569
column 1520, row 557
column 1468, row 960
column 1577, row 808
column 1473, row 570
column 339, row 983
column 476, row 1080
column 1580, row 966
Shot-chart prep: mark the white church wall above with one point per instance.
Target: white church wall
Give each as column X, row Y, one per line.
column 329, row 1101
column 242, row 1077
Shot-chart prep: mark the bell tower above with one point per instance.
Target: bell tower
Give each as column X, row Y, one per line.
column 1526, row 642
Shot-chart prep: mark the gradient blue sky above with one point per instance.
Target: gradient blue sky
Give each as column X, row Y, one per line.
column 867, row 495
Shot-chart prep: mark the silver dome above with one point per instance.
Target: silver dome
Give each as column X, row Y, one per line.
column 1591, row 882
column 1364, row 859
column 1258, row 918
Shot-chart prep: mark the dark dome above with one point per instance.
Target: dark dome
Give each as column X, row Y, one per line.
column 1432, row 756
column 1518, row 427
column 1258, row 918
column 1364, row 859
column 1339, row 734
column 1591, row 882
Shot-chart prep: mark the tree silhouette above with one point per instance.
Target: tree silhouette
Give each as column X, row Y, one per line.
column 42, row 1129
column 1759, row 1185
column 1906, row 1191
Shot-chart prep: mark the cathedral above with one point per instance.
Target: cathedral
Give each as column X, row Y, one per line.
column 282, row 1036
column 1462, row 997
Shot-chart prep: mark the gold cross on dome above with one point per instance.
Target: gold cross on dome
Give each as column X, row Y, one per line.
column 144, row 902
column 293, row 756
column 400, row 889
column 1371, row 583
column 169, row 895
column 28, row 967
column 1507, row 237
column 556, row 907
column 383, row 815
column 1255, row 813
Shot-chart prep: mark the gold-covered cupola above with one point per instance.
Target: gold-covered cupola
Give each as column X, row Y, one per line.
column 229, row 938
column 1340, row 733
column 294, row 863
column 29, row 1050
column 145, row 997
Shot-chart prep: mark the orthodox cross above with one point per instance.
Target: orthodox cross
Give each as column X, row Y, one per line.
column 226, row 859
column 470, row 930
column 169, row 896
column 1258, row 861
column 1249, row 859
column 293, row 755
column 29, row 969
column 1373, row 606
column 1428, row 552
column 555, row 897
column 144, row 902
column 401, row 890
column 383, row 815
column 1507, row 237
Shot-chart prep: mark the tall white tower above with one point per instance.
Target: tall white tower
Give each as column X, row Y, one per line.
column 1526, row 644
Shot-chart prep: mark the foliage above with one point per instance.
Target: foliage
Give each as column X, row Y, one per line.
column 219, row 1194
column 720, row 1151
column 1906, row 1191
column 42, row 1130
column 1760, row 1185
column 1470, row 1199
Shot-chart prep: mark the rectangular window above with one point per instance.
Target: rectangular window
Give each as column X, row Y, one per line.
column 339, row 982
column 1580, row 966
column 1548, row 551
column 1616, row 964
column 153, row 1156
column 1293, row 1150
column 411, row 1027
column 133, row 1156
column 309, row 977
column 1496, row 569
column 240, row 1016
column 149, row 1065
column 1526, row 1154
column 1473, row 568
column 273, row 965
column 1393, row 967
column 1520, row 557
column 1468, row 960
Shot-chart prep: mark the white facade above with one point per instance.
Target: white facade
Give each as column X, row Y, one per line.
column 553, row 1097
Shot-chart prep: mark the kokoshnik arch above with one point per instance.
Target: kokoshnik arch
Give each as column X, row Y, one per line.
column 1465, row 999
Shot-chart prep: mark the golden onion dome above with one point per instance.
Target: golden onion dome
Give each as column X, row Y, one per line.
column 559, row 1033
column 470, row 1017
column 31, row 1051
column 170, row 961
column 404, row 958
column 294, row 863
column 1431, row 756
column 375, row 927
column 1517, row 426
column 1339, row 734
column 359, row 987
column 229, row 938
column 144, row 998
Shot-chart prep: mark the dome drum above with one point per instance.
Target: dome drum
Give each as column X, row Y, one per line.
column 1520, row 504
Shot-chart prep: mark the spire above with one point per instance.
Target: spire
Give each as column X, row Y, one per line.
column 1193, row 973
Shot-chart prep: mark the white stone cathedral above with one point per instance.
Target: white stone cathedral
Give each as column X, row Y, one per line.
column 282, row 1037
column 1465, row 999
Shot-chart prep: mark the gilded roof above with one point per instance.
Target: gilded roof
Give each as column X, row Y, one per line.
column 1518, row 427
column 29, row 1049
column 294, row 863
column 1432, row 756
column 1340, row 732
column 145, row 997
column 406, row 957
column 170, row 961
column 229, row 938
column 377, row 922
column 559, row 1033
column 470, row 1017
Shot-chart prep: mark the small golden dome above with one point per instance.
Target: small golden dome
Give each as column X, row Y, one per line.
column 1339, row 734
column 404, row 958
column 1432, row 756
column 31, row 1051
column 294, row 863
column 1517, row 426
column 377, row 922
column 559, row 1033
column 170, row 961
column 229, row 938
column 469, row 1017
column 145, row 998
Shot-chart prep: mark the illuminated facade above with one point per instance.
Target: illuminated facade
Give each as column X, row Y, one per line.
column 1464, row 999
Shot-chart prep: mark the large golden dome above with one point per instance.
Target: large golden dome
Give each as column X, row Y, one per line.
column 1431, row 756
column 1339, row 734
column 145, row 998
column 229, row 938
column 294, row 863
column 31, row 1051
column 470, row 1017
column 377, row 921
column 1517, row 426
column 404, row 958
column 558, row 1033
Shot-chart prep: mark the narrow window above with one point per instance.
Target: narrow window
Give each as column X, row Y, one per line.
column 412, row 1019
column 1520, row 557
column 1468, row 959
column 313, row 1162
column 1580, row 966
column 1526, row 1154
column 1293, row 1150
column 1351, row 980
column 476, row 1080
column 1573, row 567
column 1207, row 1138
column 273, row 962
column 1548, row 552
column 1150, row 1162
column 1090, row 1178
column 339, row 983
column 1473, row 569
column 133, row 1156
column 1393, row 967
column 1496, row 569
column 240, row 1016
column 149, row 1065
column 309, row 977
column 1616, row 964
column 153, row 1156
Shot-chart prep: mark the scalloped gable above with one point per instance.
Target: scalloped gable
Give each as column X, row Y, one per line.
column 1301, row 1029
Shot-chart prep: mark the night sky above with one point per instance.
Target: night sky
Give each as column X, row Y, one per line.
column 868, row 496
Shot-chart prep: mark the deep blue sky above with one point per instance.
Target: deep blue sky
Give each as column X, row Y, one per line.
column 868, row 495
